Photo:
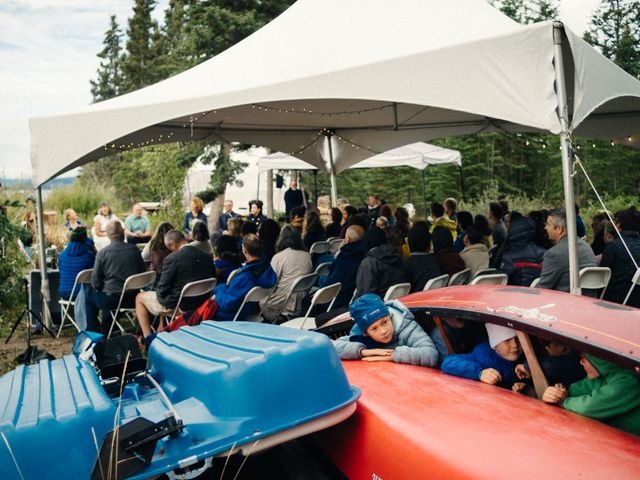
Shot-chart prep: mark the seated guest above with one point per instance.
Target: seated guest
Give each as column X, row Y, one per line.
column 475, row 254
column 491, row 362
column 296, row 215
column 450, row 208
column 598, row 223
column 449, row 260
column 156, row 251
column 482, row 225
column 465, row 220
column 440, row 219
column 78, row 255
column 290, row 262
column 610, row 394
column 255, row 272
column 200, row 236
column 386, row 213
column 385, row 332
column 114, row 264
column 234, row 227
column 421, row 266
column 374, row 237
column 382, row 267
column 581, row 230
column 226, row 215
column 498, row 229
column 269, row 233
column 196, row 207
column 312, row 229
column 402, row 222
column 227, row 258
column 555, row 266
column 137, row 228
column 616, row 257
column 100, row 221
column 255, row 213
column 539, row 217
column 186, row 263
column 344, row 266
column 71, row 218
column 333, row 229
column 521, row 259
column 349, row 212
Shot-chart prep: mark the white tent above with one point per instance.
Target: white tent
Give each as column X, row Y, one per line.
column 387, row 74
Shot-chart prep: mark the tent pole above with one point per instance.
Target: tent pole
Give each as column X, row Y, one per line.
column 424, row 193
column 332, row 171
column 565, row 146
column 464, row 195
column 44, row 278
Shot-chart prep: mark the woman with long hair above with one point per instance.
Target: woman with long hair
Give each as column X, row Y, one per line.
column 156, row 251
column 333, row 229
column 268, row 233
column 196, row 207
column 312, row 229
column 201, row 237
column 100, row 221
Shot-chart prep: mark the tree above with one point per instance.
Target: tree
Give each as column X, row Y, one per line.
column 615, row 30
column 528, row 11
column 109, row 81
column 140, row 60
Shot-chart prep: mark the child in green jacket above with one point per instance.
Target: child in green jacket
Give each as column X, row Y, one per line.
column 610, row 394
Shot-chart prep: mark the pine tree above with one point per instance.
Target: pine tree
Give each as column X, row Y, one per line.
column 140, row 58
column 109, row 81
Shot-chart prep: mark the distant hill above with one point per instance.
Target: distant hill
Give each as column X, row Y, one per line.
column 26, row 183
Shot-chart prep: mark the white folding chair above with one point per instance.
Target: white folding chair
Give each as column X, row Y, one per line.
column 323, row 268
column 484, row 271
column 134, row 282
column 396, row 291
column 460, row 278
column 323, row 295
column 254, row 295
column 535, row 282
column 594, row 278
column 437, row 282
column 194, row 289
column 300, row 285
column 319, row 247
column 83, row 277
column 634, row 281
column 334, row 244
column 232, row 274
column 491, row 279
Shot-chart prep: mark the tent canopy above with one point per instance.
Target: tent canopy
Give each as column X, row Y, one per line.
column 388, row 74
column 416, row 155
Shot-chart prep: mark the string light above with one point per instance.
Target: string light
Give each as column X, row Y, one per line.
column 307, row 111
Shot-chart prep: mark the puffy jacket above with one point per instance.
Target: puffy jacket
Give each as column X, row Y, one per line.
column 229, row 296
column 344, row 269
column 410, row 343
column 447, row 223
column 74, row 258
column 472, row 364
column 615, row 257
column 380, row 269
column 521, row 258
column 613, row 397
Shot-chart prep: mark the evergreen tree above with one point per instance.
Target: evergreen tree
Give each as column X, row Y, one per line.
column 140, row 60
column 109, row 81
column 528, row 11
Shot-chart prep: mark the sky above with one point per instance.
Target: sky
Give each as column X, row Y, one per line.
column 48, row 55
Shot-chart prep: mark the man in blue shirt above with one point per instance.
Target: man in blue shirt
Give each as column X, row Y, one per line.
column 137, row 226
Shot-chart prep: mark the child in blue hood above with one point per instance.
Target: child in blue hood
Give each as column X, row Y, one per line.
column 385, row 333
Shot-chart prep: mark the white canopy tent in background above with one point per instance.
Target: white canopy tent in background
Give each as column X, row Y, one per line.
column 388, row 74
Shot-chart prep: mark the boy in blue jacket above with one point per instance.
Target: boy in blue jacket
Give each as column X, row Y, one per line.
column 385, row 333
column 491, row 362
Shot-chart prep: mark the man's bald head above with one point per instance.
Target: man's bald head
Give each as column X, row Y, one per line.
column 354, row 233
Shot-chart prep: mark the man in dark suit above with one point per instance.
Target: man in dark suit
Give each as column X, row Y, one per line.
column 225, row 216
column 555, row 265
column 183, row 265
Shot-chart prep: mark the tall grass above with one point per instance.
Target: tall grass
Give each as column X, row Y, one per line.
column 85, row 201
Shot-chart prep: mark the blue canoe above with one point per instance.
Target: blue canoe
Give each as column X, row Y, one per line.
column 217, row 389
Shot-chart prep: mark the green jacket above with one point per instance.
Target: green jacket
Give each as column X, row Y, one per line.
column 613, row 397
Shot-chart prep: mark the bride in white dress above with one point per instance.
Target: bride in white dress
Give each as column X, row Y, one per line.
column 100, row 221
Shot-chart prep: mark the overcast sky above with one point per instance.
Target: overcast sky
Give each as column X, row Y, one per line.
column 48, row 55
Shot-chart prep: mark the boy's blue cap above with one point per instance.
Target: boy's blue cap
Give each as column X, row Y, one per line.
column 367, row 309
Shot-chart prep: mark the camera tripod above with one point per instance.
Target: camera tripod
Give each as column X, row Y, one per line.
column 26, row 311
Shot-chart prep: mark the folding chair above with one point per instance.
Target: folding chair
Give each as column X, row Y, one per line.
column 634, row 281
column 484, row 271
column 460, row 278
column 323, row 269
column 437, row 282
column 83, row 277
column 491, row 279
column 334, row 244
column 254, row 295
column 396, row 291
column 323, row 295
column 232, row 274
column 134, row 282
column 319, row 248
column 300, row 285
column 594, row 278
column 535, row 282
column 194, row 289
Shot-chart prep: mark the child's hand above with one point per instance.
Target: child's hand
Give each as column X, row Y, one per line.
column 555, row 394
column 490, row 376
column 518, row 387
column 376, row 352
column 522, row 372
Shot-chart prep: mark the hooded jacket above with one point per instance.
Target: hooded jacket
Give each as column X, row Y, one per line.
column 77, row 256
column 410, row 343
column 344, row 269
column 521, row 259
column 613, row 397
column 229, row 296
column 447, row 223
column 475, row 257
column 472, row 364
column 380, row 269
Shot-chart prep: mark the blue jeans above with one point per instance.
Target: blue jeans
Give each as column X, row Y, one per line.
column 105, row 302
